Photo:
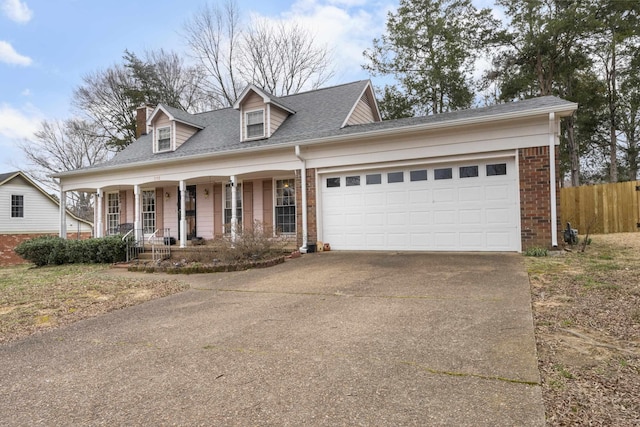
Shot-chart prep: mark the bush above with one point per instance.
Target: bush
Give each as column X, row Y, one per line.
column 256, row 243
column 537, row 252
column 49, row 250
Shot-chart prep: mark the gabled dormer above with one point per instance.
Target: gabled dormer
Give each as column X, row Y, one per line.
column 365, row 110
column 170, row 128
column 261, row 113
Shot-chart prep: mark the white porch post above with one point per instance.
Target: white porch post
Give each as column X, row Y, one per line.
column 552, row 179
column 136, row 213
column 99, row 222
column 234, row 206
column 63, row 213
column 183, row 217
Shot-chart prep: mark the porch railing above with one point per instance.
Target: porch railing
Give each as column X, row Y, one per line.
column 134, row 247
column 160, row 245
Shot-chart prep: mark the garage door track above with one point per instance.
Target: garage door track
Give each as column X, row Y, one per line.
column 334, row 338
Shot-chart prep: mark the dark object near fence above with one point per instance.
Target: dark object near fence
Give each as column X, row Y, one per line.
column 570, row 235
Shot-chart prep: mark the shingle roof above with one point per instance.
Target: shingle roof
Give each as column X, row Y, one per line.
column 319, row 114
column 6, row 176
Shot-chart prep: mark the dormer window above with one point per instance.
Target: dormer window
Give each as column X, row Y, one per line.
column 255, row 124
column 164, row 139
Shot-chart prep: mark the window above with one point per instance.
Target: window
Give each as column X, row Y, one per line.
column 353, row 181
column 497, row 169
column 164, row 139
column 333, row 182
column 419, row 175
column 442, row 173
column 113, row 213
column 148, row 211
column 17, row 206
column 255, row 124
column 468, row 171
column 375, row 178
column 393, row 177
column 285, row 206
column 227, row 207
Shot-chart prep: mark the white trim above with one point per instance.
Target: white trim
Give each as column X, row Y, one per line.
column 420, row 161
column 519, row 224
column 267, row 129
column 156, row 138
column 552, row 179
column 246, row 124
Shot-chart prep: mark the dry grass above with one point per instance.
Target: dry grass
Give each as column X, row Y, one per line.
column 587, row 323
column 34, row 299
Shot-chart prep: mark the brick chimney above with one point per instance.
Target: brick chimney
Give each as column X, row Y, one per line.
column 142, row 114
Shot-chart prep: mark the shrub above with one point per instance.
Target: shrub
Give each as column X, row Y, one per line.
column 537, row 252
column 256, row 243
column 49, row 250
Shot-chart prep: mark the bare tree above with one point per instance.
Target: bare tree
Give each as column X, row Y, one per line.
column 279, row 57
column 283, row 58
column 63, row 146
column 213, row 34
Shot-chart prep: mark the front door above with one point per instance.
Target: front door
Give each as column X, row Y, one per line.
column 190, row 211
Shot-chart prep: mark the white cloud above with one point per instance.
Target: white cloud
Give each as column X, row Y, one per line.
column 26, row 92
column 9, row 55
column 19, row 123
column 17, row 11
column 346, row 27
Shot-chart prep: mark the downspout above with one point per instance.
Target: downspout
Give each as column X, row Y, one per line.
column 303, row 171
column 552, row 179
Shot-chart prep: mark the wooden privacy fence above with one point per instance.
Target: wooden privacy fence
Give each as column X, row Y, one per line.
column 609, row 208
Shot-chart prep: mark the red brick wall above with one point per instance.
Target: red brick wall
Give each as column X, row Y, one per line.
column 312, row 229
column 535, row 203
column 8, row 242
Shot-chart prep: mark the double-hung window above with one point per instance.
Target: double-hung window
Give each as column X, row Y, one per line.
column 17, row 206
column 164, row 139
column 285, row 206
column 255, row 124
column 113, row 213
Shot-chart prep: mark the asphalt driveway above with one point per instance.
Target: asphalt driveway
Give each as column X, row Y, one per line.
column 328, row 339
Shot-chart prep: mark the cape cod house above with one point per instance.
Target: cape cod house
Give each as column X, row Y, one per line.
column 322, row 166
column 27, row 212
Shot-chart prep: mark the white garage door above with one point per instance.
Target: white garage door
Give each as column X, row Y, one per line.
column 470, row 206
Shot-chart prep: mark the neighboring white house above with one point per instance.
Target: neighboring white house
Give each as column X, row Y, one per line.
column 27, row 211
column 321, row 166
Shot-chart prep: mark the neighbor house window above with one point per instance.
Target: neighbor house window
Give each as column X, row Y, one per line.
column 227, row 207
column 113, row 213
column 17, row 206
column 255, row 124
column 149, row 211
column 285, row 206
column 164, row 139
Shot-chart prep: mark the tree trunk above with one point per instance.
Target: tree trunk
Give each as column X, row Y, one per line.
column 574, row 152
column 613, row 141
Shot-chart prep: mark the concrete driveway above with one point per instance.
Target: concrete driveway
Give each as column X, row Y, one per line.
column 329, row 339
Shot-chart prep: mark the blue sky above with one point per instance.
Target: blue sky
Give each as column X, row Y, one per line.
column 46, row 47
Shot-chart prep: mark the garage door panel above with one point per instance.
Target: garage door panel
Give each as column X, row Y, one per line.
column 477, row 213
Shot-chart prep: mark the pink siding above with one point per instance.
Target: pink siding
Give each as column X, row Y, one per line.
column 204, row 211
column 362, row 113
column 183, row 132
column 278, row 116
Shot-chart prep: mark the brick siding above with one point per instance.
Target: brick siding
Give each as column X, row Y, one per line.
column 535, row 203
column 8, row 242
column 312, row 228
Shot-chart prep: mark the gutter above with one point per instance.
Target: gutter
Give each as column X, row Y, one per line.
column 566, row 110
column 303, row 171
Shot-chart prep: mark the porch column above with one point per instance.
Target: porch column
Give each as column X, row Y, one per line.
column 183, row 217
column 99, row 222
column 136, row 213
column 234, row 206
column 63, row 213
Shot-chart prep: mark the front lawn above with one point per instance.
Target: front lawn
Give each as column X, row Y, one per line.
column 587, row 324
column 33, row 299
